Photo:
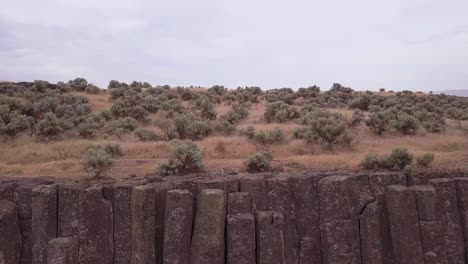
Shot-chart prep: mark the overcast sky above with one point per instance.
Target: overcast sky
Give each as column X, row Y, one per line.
column 364, row 44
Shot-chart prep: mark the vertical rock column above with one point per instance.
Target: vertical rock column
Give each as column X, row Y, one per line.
column 306, row 207
column 44, row 221
column 270, row 241
column 280, row 200
column 208, row 234
column 95, row 226
column 240, row 237
column 122, row 224
column 68, row 213
column 342, row 199
column 404, row 224
column 256, row 186
column 450, row 215
column 160, row 189
column 431, row 228
column 143, row 225
column 462, row 193
column 178, row 230
column 10, row 233
column 63, row 250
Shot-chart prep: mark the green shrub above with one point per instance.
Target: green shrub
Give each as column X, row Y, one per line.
column 204, row 107
column 357, row 118
column 399, row 159
column 167, row 127
column 372, row 161
column 425, row 159
column 96, row 160
column 260, row 161
column 280, row 112
column 191, row 127
column 361, row 102
column 13, row 123
column 49, row 127
column 186, row 158
column 377, row 122
column 121, row 126
column 249, row 132
column 78, row 84
column 146, row 135
column 406, row 124
column 92, row 89
column 114, row 150
column 325, row 128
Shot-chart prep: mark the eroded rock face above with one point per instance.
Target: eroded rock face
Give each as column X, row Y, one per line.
column 270, row 239
column 44, row 221
column 240, row 238
column 208, row 233
column 316, row 217
column 404, row 224
column 63, row 250
column 95, row 224
column 178, row 231
column 10, row 233
column 143, row 225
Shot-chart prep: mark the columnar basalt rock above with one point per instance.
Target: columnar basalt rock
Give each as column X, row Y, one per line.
column 279, row 199
column 143, row 225
column 68, row 195
column 239, row 203
column 240, row 238
column 95, row 224
column 44, row 221
column 404, row 224
column 306, row 214
column 63, row 250
column 160, row 189
column 10, row 233
column 314, row 217
column 122, row 223
column 208, row 235
column 340, row 242
column 256, row 186
column 178, row 230
column 450, row 215
column 269, row 236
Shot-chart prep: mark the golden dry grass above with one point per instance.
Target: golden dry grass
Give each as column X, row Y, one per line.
column 25, row 157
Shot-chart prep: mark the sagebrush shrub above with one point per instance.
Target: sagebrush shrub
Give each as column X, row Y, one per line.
column 259, row 162
column 377, row 122
column 398, row 159
column 121, row 126
column 325, row 128
column 96, row 160
column 49, row 127
column 186, row 158
column 146, row 135
column 425, row 159
column 280, row 112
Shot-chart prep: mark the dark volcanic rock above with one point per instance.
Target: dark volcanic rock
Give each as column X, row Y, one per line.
column 239, row 203
column 44, row 221
column 404, row 224
column 95, row 236
column 143, row 225
column 122, row 224
column 240, row 239
column 340, row 242
column 450, row 215
column 160, row 189
column 68, row 195
column 379, row 180
column 427, row 202
column 343, row 197
column 280, row 200
column 432, row 238
column 208, row 233
column 371, row 231
column 178, row 231
column 10, row 233
column 270, row 243
column 256, row 186
column 63, row 250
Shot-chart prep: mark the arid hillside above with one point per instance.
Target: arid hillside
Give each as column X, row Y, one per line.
column 47, row 129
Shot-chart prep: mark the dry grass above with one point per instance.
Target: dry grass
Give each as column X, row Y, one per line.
column 25, row 156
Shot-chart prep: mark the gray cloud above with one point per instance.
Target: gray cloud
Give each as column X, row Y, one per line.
column 365, row 44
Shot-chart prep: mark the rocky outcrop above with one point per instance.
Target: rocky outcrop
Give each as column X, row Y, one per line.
column 314, row 217
column 10, row 238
